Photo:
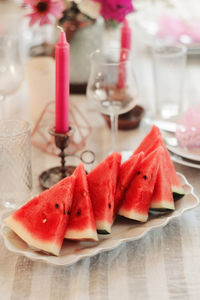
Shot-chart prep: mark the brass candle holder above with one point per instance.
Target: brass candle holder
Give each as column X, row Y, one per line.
column 51, row 176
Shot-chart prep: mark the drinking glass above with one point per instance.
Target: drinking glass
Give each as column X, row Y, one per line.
column 15, row 163
column 11, row 69
column 111, row 85
column 168, row 65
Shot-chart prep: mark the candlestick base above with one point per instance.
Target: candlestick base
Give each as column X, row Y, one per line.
column 53, row 175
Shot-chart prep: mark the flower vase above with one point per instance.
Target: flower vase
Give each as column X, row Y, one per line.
column 85, row 39
column 41, row 40
column 111, row 36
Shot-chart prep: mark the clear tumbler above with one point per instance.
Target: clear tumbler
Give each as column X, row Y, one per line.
column 169, row 67
column 15, row 163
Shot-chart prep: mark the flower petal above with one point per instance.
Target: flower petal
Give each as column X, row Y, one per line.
column 56, row 8
column 44, row 20
column 34, row 17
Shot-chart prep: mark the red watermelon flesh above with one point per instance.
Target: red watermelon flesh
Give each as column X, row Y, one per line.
column 150, row 143
column 170, row 171
column 138, row 196
column 43, row 220
column 126, row 173
column 162, row 197
column 102, row 186
column 81, row 221
column 116, row 170
column 147, row 144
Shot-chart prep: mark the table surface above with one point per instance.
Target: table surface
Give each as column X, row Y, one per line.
column 164, row 264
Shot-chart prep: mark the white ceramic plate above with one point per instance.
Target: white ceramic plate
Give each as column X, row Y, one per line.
column 172, row 145
column 192, row 154
column 180, row 160
column 122, row 231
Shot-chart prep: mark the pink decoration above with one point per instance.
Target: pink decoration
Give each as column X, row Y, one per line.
column 125, row 44
column 62, row 84
column 126, row 36
column 43, row 9
column 188, row 129
column 194, row 31
column 174, row 29
column 44, row 141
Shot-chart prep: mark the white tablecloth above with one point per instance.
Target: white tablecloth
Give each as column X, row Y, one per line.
column 165, row 264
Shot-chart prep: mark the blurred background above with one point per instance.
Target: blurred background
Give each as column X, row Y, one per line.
column 27, row 41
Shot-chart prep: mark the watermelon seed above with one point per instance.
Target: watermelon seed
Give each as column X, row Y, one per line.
column 109, row 205
column 145, row 177
column 122, row 187
column 138, row 173
column 44, row 221
column 64, row 209
column 84, row 194
column 78, row 212
column 56, row 205
column 68, row 213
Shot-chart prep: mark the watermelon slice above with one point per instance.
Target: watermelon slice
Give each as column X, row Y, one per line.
column 102, row 183
column 81, row 221
column 147, row 144
column 162, row 197
column 170, row 171
column 177, row 190
column 43, row 220
column 127, row 171
column 138, row 196
column 153, row 140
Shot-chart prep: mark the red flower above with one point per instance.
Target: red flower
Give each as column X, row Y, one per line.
column 42, row 10
column 115, row 9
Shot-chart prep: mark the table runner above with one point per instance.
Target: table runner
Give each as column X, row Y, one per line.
column 162, row 265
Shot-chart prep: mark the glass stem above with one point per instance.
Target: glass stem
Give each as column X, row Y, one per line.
column 114, row 130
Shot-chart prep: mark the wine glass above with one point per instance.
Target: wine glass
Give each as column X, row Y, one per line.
column 11, row 69
column 111, row 85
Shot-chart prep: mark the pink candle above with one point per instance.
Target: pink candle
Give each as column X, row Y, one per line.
column 62, row 84
column 126, row 36
column 125, row 44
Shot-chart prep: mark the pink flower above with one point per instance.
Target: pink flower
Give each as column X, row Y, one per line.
column 115, row 9
column 42, row 10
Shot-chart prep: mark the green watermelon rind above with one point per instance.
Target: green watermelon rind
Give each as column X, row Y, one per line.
column 133, row 215
column 164, row 204
column 178, row 192
column 177, row 196
column 86, row 234
column 22, row 232
column 103, row 227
